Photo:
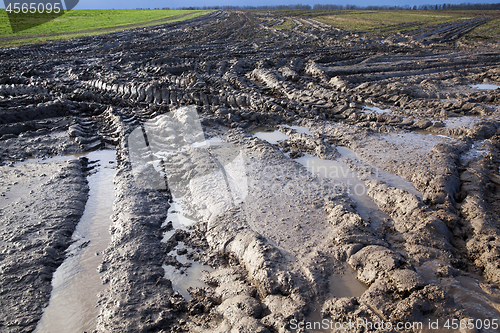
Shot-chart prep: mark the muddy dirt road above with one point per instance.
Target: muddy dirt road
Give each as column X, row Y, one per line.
column 265, row 180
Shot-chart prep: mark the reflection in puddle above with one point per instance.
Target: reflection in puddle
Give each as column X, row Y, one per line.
column 374, row 109
column 270, row 135
column 76, row 283
column 187, row 277
column 484, row 86
column 346, row 285
column 477, row 150
column 389, row 178
column 464, row 121
column 346, row 181
column 299, row 129
column 340, row 285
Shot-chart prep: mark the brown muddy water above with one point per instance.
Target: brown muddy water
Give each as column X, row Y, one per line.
column 340, row 285
column 76, row 283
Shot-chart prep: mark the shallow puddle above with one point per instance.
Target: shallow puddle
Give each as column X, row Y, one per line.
column 484, row 86
column 187, row 277
column 340, row 285
column 426, row 132
column 379, row 174
column 346, row 284
column 477, row 150
column 419, row 141
column 374, row 109
column 76, row 283
column 270, row 135
column 177, row 216
column 464, row 121
column 183, row 278
column 299, row 129
column 346, row 181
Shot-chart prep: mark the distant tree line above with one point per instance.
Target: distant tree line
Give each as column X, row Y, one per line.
column 445, row 6
column 462, row 6
column 299, row 6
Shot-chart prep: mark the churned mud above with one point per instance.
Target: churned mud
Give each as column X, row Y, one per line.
column 263, row 180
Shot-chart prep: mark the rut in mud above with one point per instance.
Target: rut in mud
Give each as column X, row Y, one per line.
column 413, row 118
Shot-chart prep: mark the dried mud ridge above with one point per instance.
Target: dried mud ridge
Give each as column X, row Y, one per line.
column 435, row 256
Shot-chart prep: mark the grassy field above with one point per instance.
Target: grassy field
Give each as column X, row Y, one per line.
column 488, row 31
column 286, row 25
column 392, row 21
column 389, row 22
column 77, row 23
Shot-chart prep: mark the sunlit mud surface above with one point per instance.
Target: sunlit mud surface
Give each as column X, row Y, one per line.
column 269, row 168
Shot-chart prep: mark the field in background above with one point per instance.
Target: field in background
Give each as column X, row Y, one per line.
column 381, row 22
column 77, row 23
column 487, row 31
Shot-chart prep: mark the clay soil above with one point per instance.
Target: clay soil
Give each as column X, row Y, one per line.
column 296, row 248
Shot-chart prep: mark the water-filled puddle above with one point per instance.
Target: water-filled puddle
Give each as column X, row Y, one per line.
column 299, row 129
column 349, row 179
column 476, row 151
column 464, row 121
column 340, row 285
column 177, row 217
column 62, row 158
column 374, row 109
column 191, row 276
column 76, row 283
column 272, row 136
column 346, row 285
column 426, row 132
column 389, row 178
column 344, row 178
column 484, row 86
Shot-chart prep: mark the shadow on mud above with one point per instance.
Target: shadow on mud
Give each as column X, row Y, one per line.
column 23, row 16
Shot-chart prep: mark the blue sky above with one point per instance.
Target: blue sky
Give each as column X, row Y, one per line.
column 132, row 4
